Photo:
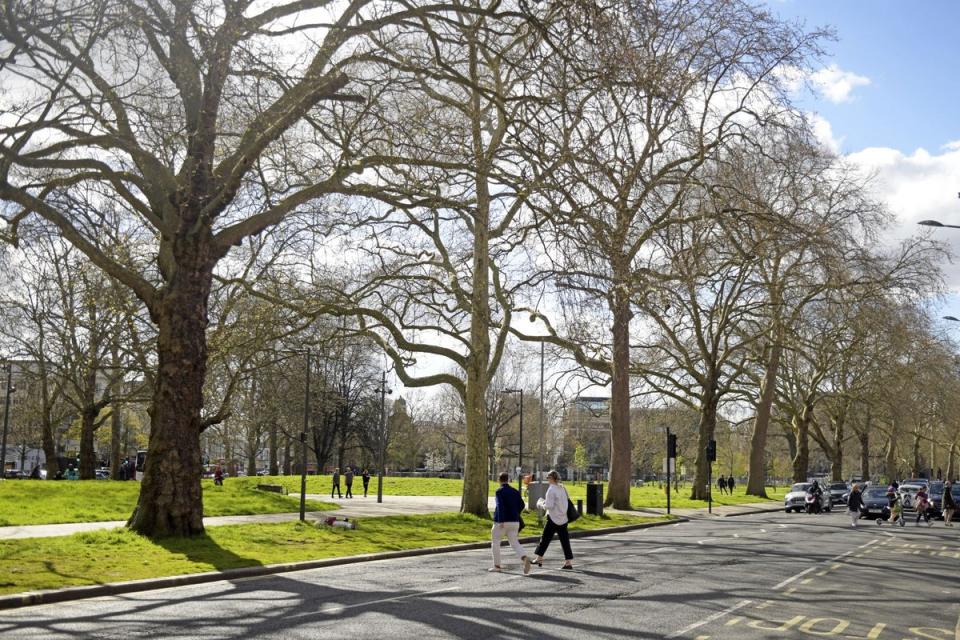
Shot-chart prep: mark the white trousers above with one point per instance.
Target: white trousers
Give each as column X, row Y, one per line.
column 854, row 517
column 512, row 530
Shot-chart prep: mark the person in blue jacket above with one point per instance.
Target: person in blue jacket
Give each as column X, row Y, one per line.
column 506, row 521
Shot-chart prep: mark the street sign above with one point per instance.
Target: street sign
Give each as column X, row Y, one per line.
column 673, row 465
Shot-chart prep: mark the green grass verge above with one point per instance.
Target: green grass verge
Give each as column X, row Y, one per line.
column 641, row 497
column 118, row 555
column 25, row 502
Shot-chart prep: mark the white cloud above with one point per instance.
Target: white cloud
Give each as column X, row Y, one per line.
column 836, row 84
column 915, row 187
column 823, row 130
column 953, row 145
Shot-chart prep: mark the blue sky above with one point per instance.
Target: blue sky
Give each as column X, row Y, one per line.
column 909, row 51
column 890, row 100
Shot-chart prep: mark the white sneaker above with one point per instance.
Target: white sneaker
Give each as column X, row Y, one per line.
column 494, row 570
column 526, row 565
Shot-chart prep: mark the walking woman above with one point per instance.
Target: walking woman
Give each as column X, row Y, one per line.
column 949, row 504
column 854, row 503
column 923, row 506
column 555, row 504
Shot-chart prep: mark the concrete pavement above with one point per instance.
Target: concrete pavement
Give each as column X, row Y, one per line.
column 352, row 508
column 749, row 578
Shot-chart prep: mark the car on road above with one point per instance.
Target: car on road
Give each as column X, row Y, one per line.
column 875, row 503
column 796, row 498
column 908, row 492
column 839, row 492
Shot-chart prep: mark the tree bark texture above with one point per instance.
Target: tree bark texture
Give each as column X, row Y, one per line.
column 801, row 429
column 864, row 438
column 170, row 502
column 705, row 432
column 88, row 454
column 756, row 479
column 618, row 493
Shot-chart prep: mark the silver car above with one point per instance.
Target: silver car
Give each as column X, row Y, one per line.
column 796, row 498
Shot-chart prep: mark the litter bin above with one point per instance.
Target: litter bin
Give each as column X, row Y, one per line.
column 595, row 498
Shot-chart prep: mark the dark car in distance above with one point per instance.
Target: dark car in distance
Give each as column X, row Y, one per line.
column 839, row 492
column 875, row 503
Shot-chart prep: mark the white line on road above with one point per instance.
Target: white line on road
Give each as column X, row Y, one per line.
column 709, row 619
column 789, row 580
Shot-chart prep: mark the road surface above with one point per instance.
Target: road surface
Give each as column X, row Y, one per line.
column 753, row 577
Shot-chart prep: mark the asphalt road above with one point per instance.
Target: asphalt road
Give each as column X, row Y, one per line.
column 762, row 576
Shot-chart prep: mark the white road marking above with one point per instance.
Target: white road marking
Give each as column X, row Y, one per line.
column 789, row 580
column 709, row 619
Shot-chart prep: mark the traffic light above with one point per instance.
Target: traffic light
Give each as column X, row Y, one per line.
column 671, row 445
column 712, row 451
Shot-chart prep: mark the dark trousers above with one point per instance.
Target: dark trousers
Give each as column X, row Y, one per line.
column 366, row 485
column 349, row 489
column 336, row 487
column 925, row 514
column 561, row 530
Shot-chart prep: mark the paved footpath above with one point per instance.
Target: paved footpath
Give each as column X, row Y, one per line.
column 355, row 508
column 763, row 576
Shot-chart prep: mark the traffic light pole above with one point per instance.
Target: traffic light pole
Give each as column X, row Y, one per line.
column 668, row 470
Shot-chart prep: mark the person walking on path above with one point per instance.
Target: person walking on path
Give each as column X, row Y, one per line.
column 555, row 503
column 348, row 479
column 721, row 484
column 506, row 521
column 366, row 482
column 949, row 504
column 731, row 483
column 336, row 483
column 923, row 506
column 854, row 502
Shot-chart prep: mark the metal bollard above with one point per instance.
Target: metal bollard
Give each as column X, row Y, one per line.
column 580, row 507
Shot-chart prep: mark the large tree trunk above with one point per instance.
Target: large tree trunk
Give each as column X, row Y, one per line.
column 756, row 481
column 88, row 455
column 864, row 438
column 170, row 502
column 475, row 485
column 288, row 458
column 917, row 464
column 951, row 463
column 801, row 429
column 116, row 442
column 836, row 464
column 891, row 461
column 618, row 492
column 705, row 431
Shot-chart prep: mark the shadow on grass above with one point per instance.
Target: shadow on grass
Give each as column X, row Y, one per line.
column 203, row 549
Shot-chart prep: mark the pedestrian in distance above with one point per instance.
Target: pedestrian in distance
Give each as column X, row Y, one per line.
column 348, row 480
column 366, row 482
column 854, row 503
column 923, row 506
column 507, row 522
column 721, row 484
column 555, row 503
column 336, row 483
column 731, row 483
column 949, row 504
column 218, row 476
column 894, row 506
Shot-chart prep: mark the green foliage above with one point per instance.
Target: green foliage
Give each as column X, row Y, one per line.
column 118, row 555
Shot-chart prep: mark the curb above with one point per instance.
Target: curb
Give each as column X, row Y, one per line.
column 750, row 513
column 32, row 598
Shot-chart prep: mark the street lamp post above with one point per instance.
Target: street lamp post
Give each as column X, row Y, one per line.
column 6, row 421
column 382, row 436
column 303, row 442
column 520, row 452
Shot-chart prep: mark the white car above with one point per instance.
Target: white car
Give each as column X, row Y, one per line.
column 796, row 499
column 908, row 494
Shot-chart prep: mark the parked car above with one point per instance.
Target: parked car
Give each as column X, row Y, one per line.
column 839, row 492
column 796, row 498
column 103, row 474
column 908, row 492
column 875, row 503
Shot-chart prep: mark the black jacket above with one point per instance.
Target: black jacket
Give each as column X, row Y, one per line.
column 509, row 504
column 855, row 501
column 948, row 500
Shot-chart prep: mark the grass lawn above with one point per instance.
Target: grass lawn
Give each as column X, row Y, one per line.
column 117, row 555
column 646, row 496
column 24, row 502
